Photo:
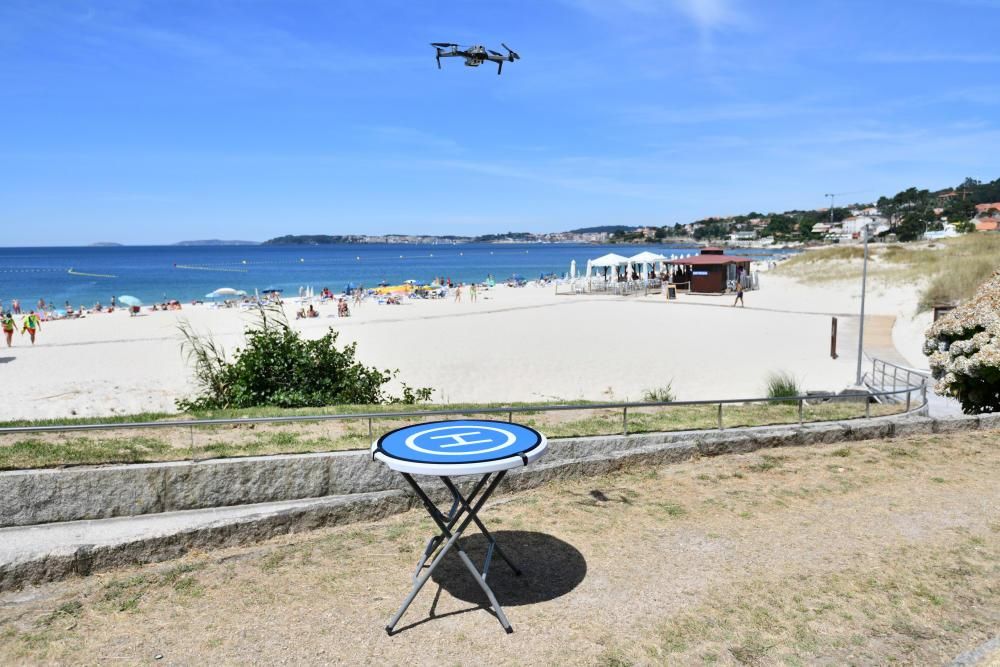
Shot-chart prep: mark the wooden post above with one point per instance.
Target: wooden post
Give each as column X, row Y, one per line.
column 833, row 338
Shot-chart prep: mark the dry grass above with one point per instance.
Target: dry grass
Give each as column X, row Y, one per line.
column 948, row 270
column 43, row 450
column 879, row 552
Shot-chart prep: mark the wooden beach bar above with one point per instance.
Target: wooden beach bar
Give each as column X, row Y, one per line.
column 713, row 271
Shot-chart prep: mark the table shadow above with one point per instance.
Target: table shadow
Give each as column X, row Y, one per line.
column 550, row 568
column 7, row 360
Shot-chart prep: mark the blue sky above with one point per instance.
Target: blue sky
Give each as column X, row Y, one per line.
column 148, row 122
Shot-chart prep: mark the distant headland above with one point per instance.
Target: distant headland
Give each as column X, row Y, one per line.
column 582, row 235
column 216, row 242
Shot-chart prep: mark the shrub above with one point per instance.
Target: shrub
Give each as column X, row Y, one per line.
column 664, row 394
column 782, row 385
column 278, row 368
column 964, row 350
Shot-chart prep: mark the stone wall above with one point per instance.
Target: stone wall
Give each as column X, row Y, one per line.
column 29, row 497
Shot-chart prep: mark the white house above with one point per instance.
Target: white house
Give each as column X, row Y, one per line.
column 743, row 236
column 855, row 224
column 946, row 233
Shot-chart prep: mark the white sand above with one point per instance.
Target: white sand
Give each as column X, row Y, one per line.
column 513, row 345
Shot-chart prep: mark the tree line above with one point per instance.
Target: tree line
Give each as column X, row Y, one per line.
column 909, row 214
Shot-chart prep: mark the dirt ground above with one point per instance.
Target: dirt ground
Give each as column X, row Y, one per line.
column 874, row 552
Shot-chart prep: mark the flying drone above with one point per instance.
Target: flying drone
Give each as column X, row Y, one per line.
column 474, row 55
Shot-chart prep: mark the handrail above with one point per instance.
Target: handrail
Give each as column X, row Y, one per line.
column 509, row 411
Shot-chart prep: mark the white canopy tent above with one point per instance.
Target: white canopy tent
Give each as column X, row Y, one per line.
column 647, row 259
column 609, row 261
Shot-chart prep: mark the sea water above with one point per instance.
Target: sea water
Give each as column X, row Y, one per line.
column 85, row 275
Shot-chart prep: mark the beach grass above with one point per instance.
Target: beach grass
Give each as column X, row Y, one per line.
column 176, row 443
column 948, row 271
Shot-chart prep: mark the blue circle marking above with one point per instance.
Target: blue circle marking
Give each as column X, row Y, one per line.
column 459, row 441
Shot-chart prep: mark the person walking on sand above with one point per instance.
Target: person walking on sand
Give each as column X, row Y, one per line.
column 31, row 324
column 472, row 293
column 15, row 306
column 8, row 326
column 458, row 293
column 739, row 294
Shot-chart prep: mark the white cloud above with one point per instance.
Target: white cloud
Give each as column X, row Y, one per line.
column 709, row 15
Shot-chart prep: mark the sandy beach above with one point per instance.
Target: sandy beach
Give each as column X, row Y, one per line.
column 514, row 344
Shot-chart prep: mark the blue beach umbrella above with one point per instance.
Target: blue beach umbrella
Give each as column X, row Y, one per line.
column 225, row 291
column 129, row 300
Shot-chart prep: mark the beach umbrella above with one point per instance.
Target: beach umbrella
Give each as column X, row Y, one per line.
column 572, row 270
column 272, row 290
column 225, row 291
column 129, row 300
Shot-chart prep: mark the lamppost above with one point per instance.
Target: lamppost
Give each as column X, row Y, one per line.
column 861, row 327
column 831, row 196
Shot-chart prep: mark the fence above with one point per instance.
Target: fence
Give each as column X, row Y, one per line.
column 887, row 376
column 634, row 417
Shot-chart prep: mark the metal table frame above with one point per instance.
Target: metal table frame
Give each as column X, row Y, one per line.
column 448, row 537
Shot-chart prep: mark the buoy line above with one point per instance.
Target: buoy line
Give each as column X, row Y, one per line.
column 209, row 268
column 90, row 275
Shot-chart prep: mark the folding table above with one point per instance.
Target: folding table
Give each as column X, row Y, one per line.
column 453, row 448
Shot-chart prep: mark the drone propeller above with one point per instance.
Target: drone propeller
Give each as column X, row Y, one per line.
column 513, row 56
column 495, row 53
column 443, row 44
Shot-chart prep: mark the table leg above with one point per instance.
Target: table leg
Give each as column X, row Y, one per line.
column 492, row 540
column 457, row 509
column 445, row 527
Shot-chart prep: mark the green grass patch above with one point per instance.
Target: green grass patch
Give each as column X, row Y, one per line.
column 173, row 443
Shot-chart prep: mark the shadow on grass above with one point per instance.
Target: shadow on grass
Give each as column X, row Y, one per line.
column 550, row 569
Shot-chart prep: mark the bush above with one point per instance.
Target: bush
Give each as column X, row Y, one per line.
column 664, row 394
column 964, row 351
column 782, row 385
column 278, row 368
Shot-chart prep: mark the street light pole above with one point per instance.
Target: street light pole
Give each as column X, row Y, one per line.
column 831, row 196
column 861, row 326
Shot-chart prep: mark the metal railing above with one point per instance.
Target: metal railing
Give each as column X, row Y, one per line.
column 887, row 376
column 507, row 412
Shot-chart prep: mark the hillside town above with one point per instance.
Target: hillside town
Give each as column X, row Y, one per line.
column 909, row 215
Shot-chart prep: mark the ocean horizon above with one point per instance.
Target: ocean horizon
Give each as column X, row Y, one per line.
column 84, row 275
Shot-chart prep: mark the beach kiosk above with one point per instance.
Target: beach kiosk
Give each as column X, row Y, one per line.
column 713, row 271
column 447, row 449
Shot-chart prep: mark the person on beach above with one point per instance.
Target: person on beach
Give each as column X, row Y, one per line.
column 739, row 294
column 458, row 293
column 112, row 300
column 358, row 295
column 15, row 306
column 41, row 305
column 472, row 293
column 31, row 324
column 8, row 326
